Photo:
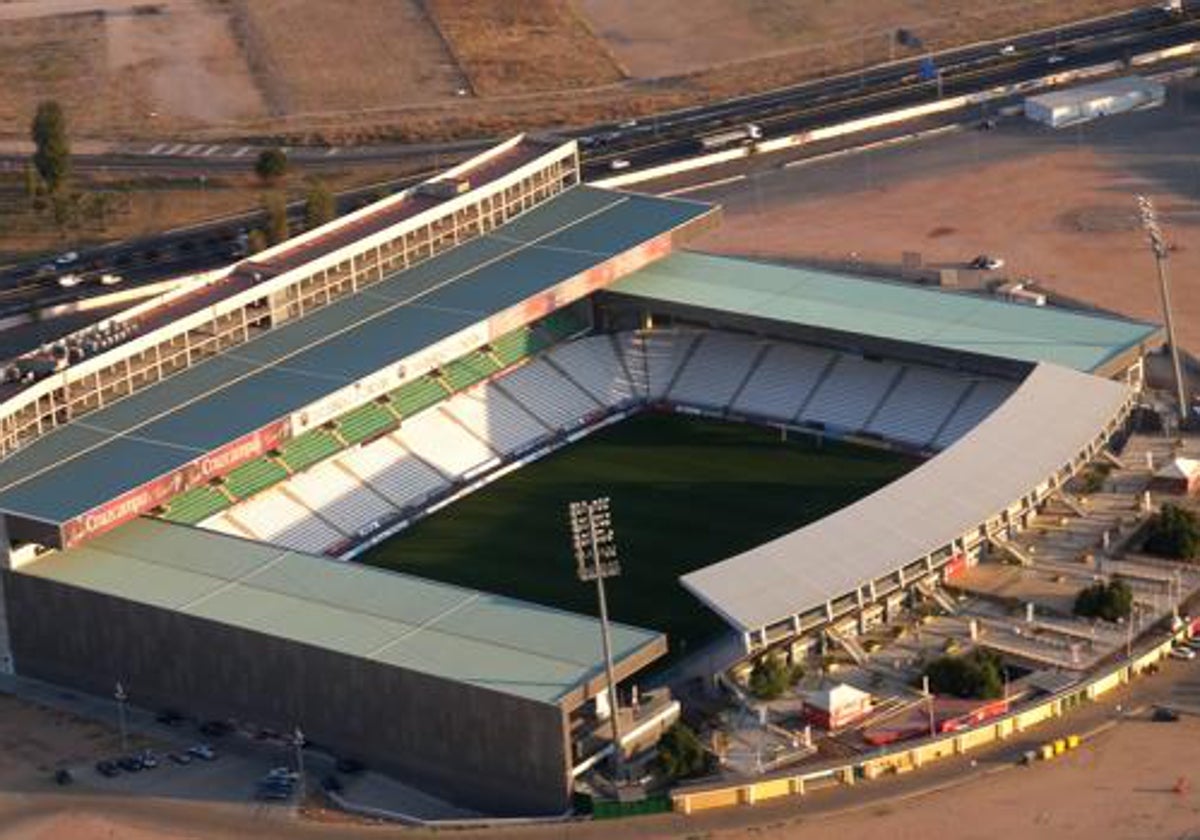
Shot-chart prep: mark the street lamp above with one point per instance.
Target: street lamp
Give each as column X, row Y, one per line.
column 1158, row 247
column 595, row 549
column 298, row 743
column 120, row 696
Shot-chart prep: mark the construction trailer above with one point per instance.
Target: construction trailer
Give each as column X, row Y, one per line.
column 1082, row 104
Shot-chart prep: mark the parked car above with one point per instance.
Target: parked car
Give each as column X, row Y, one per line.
column 1182, row 652
column 148, row 759
column 179, row 757
column 107, row 768
column 130, row 763
column 169, row 717
column 349, row 766
column 1164, row 715
column 202, row 751
column 983, row 262
column 216, row 728
column 62, row 776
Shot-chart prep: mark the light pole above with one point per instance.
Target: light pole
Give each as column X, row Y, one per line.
column 928, row 702
column 595, row 549
column 120, row 696
column 1158, row 247
column 298, row 743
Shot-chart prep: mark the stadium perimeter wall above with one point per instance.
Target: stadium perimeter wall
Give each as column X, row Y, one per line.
column 493, row 751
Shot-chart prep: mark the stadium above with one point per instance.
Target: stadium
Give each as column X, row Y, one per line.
column 189, row 495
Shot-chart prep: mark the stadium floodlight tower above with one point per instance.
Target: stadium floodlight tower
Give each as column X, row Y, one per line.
column 594, row 544
column 1159, row 248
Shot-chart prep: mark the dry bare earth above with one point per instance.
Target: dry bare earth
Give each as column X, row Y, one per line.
column 1061, row 215
column 118, row 71
column 674, row 37
column 521, row 47
column 318, row 55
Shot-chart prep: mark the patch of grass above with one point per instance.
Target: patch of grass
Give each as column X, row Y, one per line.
column 685, row 493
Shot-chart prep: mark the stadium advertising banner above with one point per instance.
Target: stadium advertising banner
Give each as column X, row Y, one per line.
column 581, row 285
column 142, row 499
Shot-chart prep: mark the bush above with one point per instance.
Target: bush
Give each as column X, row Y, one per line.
column 52, row 156
column 275, row 206
column 978, row 675
column 1109, row 601
column 319, row 205
column 1175, row 533
column 771, row 677
column 680, row 753
column 271, row 164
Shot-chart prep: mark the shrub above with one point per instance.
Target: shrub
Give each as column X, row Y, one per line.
column 271, row 164
column 1109, row 601
column 771, row 677
column 1174, row 532
column 680, row 753
column 978, row 674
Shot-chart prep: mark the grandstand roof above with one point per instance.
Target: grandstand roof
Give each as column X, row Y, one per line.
column 1003, row 458
column 895, row 311
column 91, row 461
column 489, row 641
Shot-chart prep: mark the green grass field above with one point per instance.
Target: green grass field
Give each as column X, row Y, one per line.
column 685, row 493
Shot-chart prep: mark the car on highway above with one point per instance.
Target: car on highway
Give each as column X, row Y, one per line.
column 67, row 258
column 69, row 281
column 1007, row 49
column 618, row 164
column 108, row 279
column 1182, row 652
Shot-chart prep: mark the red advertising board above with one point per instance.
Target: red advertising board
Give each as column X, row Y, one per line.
column 135, row 502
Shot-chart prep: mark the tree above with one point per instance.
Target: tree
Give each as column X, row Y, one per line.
column 771, row 676
column 319, row 205
column 1174, row 532
column 680, row 753
column 52, row 156
column 271, row 164
column 1109, row 601
column 977, row 675
column 256, row 241
column 275, row 206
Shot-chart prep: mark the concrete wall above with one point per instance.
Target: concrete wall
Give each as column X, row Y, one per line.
column 491, row 751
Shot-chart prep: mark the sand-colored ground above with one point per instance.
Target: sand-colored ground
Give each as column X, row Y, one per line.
column 314, row 56
column 514, row 48
column 122, row 67
column 672, row 37
column 1057, row 207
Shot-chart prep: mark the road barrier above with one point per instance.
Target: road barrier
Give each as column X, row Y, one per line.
column 861, row 124
column 689, row 799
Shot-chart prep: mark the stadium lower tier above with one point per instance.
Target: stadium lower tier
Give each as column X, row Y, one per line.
column 372, row 489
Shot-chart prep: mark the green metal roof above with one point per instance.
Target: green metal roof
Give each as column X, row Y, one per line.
column 897, row 311
column 490, row 641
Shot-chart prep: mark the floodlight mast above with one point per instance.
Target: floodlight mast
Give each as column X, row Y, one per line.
column 595, row 559
column 1158, row 247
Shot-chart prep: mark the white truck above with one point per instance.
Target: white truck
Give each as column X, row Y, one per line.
column 740, row 136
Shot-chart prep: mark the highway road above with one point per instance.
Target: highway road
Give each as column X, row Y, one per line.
column 648, row 142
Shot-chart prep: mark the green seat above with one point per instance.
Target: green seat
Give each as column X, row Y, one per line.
column 469, row 369
column 196, row 505
column 311, row 447
column 416, row 396
column 254, row 477
column 365, row 422
column 512, row 347
column 561, row 325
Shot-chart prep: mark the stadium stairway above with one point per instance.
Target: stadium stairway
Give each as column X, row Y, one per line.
column 938, row 596
column 848, row 644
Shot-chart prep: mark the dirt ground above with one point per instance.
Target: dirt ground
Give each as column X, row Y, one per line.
column 674, row 37
column 1121, row 785
column 513, row 48
column 123, row 67
column 1057, row 206
column 313, row 56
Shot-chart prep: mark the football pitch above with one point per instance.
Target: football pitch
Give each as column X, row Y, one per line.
column 686, row 492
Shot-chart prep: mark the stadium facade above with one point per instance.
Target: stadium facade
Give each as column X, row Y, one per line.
column 172, row 504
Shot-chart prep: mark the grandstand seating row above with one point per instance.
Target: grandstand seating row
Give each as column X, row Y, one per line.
column 467, row 433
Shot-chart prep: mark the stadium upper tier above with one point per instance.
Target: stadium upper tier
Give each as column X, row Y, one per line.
column 452, row 303
column 833, row 304
column 489, row 641
column 1054, row 422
